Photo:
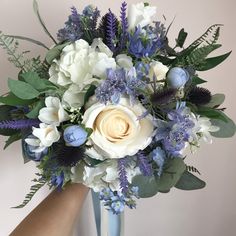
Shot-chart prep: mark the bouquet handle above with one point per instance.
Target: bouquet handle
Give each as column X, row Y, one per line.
column 107, row 223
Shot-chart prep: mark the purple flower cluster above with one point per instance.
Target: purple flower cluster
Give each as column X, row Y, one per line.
column 144, row 164
column 124, row 184
column 80, row 25
column 118, row 83
column 177, row 131
column 19, row 124
column 143, row 44
column 116, row 201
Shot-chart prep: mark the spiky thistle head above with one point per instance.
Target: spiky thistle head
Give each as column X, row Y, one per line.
column 162, row 97
column 68, row 156
column 199, row 96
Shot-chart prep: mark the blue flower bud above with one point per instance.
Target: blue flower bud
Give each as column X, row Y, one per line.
column 29, row 150
column 75, row 135
column 177, row 77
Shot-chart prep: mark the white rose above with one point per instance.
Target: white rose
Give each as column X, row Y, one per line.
column 158, row 70
column 47, row 134
column 124, row 61
column 117, row 131
column 53, row 113
column 103, row 175
column 80, row 62
column 140, row 15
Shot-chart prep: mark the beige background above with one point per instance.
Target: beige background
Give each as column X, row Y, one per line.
column 211, row 211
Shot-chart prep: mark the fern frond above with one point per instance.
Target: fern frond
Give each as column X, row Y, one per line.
column 209, row 37
column 197, row 56
column 11, row 46
column 192, row 169
column 33, row 190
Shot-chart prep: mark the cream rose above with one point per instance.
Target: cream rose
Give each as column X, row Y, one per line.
column 117, row 131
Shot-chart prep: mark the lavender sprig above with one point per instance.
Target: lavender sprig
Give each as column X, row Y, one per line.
column 111, row 30
column 19, row 124
column 124, row 184
column 124, row 27
column 96, row 15
column 144, row 165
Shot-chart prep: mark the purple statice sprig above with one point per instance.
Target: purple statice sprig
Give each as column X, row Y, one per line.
column 19, row 124
column 144, row 164
column 124, row 183
column 124, row 27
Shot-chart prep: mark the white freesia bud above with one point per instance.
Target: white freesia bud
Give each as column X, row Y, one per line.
column 158, row 70
column 53, row 113
column 47, row 134
column 140, row 15
column 124, row 61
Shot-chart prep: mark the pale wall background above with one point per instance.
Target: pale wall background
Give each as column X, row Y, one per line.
column 208, row 212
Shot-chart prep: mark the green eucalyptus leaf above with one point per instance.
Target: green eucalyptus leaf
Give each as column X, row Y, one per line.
column 5, row 114
column 147, row 186
column 22, row 89
column 188, row 181
column 196, row 80
column 35, row 111
column 212, row 62
column 181, row 38
column 55, row 52
column 13, row 138
column 227, row 129
column 35, row 81
column 211, row 113
column 216, row 100
column 11, row 100
column 171, row 174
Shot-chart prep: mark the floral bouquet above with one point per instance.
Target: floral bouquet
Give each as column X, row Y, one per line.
column 113, row 106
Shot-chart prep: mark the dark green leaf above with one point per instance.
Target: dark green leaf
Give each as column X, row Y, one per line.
column 55, row 52
column 36, row 11
column 171, row 174
column 147, row 186
column 90, row 92
column 35, row 81
column 22, row 90
column 35, row 111
column 211, row 113
column 5, row 114
column 188, row 181
column 212, row 62
column 181, row 38
column 12, row 139
column 227, row 129
column 196, row 80
column 216, row 100
column 12, row 100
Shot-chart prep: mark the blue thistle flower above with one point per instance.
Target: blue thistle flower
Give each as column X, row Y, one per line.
column 58, row 180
